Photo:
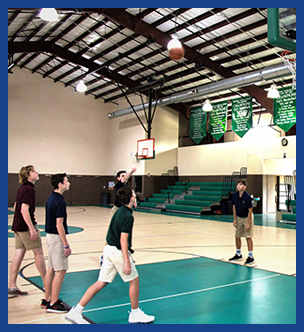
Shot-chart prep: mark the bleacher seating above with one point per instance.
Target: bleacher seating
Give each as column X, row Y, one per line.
column 188, row 198
column 290, row 217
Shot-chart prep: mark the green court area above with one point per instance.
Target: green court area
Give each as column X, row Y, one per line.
column 190, row 291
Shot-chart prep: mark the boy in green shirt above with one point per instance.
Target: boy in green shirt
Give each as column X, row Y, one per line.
column 117, row 258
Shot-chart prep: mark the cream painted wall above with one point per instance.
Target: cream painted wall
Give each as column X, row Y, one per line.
column 54, row 128
column 57, row 129
column 224, row 158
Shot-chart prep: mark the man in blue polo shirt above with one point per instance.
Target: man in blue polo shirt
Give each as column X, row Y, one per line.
column 58, row 247
column 243, row 221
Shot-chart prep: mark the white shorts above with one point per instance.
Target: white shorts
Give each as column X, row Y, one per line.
column 113, row 262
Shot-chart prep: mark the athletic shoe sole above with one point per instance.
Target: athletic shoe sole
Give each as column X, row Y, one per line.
column 71, row 320
column 143, row 323
column 57, row 311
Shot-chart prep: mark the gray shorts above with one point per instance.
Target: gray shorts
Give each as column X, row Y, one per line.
column 56, row 258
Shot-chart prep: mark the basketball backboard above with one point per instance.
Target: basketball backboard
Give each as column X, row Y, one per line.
column 282, row 28
column 146, row 148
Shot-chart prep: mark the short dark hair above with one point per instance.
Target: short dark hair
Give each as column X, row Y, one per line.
column 57, row 178
column 124, row 195
column 242, row 181
column 119, row 173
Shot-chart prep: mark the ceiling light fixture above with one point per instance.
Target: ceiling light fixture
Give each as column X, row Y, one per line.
column 174, row 42
column 273, row 92
column 48, row 14
column 81, row 87
column 207, row 107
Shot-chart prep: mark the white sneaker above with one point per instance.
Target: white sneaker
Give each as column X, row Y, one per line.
column 139, row 317
column 75, row 317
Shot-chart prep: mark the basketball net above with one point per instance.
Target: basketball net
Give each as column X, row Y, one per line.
column 291, row 65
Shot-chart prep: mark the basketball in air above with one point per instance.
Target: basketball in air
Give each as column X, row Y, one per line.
column 176, row 53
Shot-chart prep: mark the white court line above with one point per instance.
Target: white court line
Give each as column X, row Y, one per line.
column 183, row 294
column 161, row 297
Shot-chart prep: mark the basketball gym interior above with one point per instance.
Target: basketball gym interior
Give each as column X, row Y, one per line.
column 139, row 110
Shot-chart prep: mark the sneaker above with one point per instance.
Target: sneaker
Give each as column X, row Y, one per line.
column 75, row 317
column 58, row 307
column 13, row 292
column 139, row 317
column 44, row 303
column 236, row 257
column 249, row 260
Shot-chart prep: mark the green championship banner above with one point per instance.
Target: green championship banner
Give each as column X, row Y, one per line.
column 241, row 115
column 198, row 124
column 218, row 119
column 284, row 109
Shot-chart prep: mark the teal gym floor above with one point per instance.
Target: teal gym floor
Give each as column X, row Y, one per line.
column 183, row 276
column 191, row 291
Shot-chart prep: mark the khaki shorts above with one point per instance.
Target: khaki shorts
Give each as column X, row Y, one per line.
column 23, row 240
column 56, row 258
column 113, row 262
column 240, row 230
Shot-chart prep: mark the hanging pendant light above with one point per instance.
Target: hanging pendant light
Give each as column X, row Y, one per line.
column 207, row 107
column 273, row 92
column 48, row 14
column 174, row 42
column 81, row 87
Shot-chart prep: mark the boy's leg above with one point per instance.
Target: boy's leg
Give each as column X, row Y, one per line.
column 15, row 266
column 137, row 316
column 75, row 314
column 39, row 262
column 56, row 285
column 48, row 284
column 238, row 243
column 249, row 244
column 91, row 292
column 134, row 293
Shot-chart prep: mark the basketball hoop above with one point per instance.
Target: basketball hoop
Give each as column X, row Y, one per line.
column 145, row 149
column 290, row 63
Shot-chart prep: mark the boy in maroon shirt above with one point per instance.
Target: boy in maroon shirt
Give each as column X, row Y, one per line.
column 27, row 235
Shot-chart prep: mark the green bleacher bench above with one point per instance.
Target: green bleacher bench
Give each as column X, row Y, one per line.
column 202, row 198
column 148, row 205
column 210, row 188
column 292, row 202
column 170, row 191
column 177, row 187
column 196, row 209
column 201, row 184
column 156, row 200
column 206, row 193
column 294, row 209
column 289, row 216
column 193, row 203
column 165, row 196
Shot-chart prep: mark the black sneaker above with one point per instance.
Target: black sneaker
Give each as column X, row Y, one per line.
column 58, row 307
column 236, row 257
column 44, row 303
column 13, row 292
column 249, row 260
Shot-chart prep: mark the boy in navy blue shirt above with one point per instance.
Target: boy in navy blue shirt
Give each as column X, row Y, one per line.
column 243, row 221
column 58, row 246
